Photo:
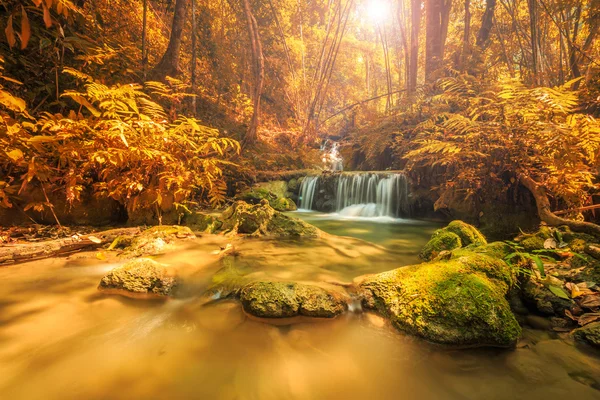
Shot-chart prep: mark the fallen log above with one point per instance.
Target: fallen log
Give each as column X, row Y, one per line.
column 23, row 252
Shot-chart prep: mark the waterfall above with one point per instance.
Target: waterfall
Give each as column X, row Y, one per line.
column 307, row 192
column 360, row 194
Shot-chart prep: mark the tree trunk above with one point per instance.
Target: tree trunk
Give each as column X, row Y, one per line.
column 466, row 33
column 415, row 12
column 437, row 19
column 487, row 22
column 258, row 69
column 169, row 64
column 545, row 213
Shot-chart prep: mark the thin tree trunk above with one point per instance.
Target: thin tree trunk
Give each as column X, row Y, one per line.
column 169, row 64
column 144, row 39
column 258, row 68
column 466, row 33
column 194, row 45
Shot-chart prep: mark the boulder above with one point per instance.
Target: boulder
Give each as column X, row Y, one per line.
column 289, row 299
column 140, row 278
column 459, row 302
column 589, row 334
column 440, row 241
column 456, row 235
column 468, row 234
column 263, row 220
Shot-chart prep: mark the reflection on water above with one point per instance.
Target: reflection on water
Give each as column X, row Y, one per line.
column 61, row 339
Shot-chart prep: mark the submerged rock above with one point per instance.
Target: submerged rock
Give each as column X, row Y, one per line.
column 589, row 334
column 139, row 278
column 459, row 302
column 261, row 219
column 288, row 299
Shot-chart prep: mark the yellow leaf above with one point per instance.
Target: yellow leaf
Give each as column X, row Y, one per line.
column 100, row 256
column 124, row 140
column 25, row 29
column 16, row 155
column 10, row 33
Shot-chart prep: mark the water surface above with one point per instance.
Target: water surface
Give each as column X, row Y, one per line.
column 61, row 339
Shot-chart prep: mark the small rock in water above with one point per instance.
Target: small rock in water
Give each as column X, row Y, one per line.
column 139, row 278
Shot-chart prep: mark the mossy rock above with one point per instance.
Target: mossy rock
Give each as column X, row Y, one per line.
column 152, row 241
column 539, row 298
column 468, row 234
column 202, row 222
column 140, row 278
column 284, row 204
column 459, row 302
column 533, row 243
column 440, row 241
column 589, row 334
column 262, row 220
column 278, row 201
column 289, row 299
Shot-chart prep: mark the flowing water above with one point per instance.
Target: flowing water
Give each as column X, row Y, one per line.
column 62, row 339
column 364, row 194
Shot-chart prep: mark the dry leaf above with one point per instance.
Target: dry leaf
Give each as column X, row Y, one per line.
column 590, row 301
column 37, row 2
column 47, row 17
column 25, row 29
column 588, row 318
column 10, row 33
column 94, row 239
column 550, row 243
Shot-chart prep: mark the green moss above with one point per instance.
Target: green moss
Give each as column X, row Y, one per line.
column 440, row 241
column 577, row 245
column 139, row 277
column 532, row 243
column 456, row 302
column 468, row 234
column 202, row 222
column 288, row 299
column 589, row 334
column 495, row 249
column 284, row 204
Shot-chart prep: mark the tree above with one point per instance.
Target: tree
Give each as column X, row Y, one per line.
column 258, row 68
column 437, row 19
column 169, row 63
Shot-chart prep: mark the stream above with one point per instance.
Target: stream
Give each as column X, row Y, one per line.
column 62, row 339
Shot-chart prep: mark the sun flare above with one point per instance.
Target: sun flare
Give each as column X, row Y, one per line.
column 378, row 10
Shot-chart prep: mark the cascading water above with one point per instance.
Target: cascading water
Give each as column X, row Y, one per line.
column 307, row 192
column 361, row 194
column 372, row 195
